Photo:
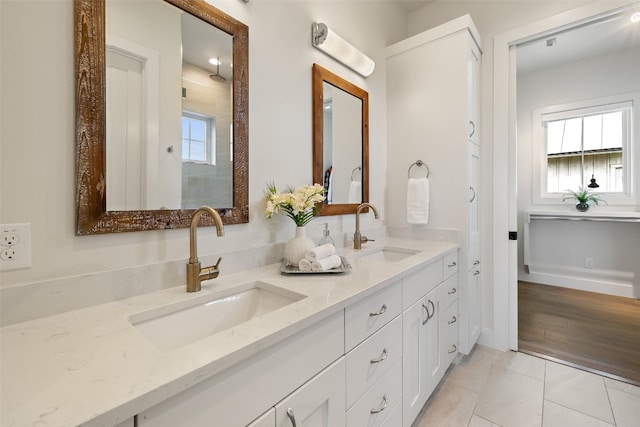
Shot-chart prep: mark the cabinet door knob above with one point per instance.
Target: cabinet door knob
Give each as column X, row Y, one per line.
column 453, row 349
column 453, row 264
column 381, row 357
column 381, row 408
column 291, row 417
column 382, row 310
column 452, row 291
column 476, row 262
column 453, row 320
column 475, row 273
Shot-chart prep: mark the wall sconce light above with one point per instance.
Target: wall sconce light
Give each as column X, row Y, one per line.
column 335, row 46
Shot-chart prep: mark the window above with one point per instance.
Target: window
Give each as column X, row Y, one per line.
column 586, row 149
column 198, row 138
column 586, row 143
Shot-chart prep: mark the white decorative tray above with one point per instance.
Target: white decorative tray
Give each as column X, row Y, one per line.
column 288, row 268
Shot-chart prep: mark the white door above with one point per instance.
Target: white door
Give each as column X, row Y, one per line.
column 318, row 403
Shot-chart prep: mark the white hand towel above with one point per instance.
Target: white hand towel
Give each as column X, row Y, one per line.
column 304, row 265
column 418, row 194
column 355, row 192
column 327, row 263
column 319, row 252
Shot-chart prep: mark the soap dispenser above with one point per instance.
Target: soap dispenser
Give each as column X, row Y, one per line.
column 326, row 237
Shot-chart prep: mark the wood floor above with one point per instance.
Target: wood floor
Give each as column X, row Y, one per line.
column 598, row 332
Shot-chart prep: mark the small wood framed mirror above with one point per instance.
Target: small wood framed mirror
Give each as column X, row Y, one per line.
column 340, row 141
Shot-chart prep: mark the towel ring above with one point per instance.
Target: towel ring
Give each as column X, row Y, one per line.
column 418, row 163
column 357, row 168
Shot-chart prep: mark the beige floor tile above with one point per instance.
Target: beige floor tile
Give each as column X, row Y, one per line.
column 473, row 370
column 477, row 421
column 450, row 406
column 578, row 390
column 558, row 416
column 626, row 408
column 511, row 399
column 524, row 364
column 619, row 385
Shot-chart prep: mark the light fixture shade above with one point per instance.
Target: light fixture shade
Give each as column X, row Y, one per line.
column 338, row 48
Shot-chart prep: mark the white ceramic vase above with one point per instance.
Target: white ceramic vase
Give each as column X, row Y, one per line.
column 297, row 247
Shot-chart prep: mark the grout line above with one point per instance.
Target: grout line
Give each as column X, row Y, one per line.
column 613, row 414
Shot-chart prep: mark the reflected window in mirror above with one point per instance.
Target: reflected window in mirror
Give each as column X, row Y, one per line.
column 340, row 141
column 153, row 79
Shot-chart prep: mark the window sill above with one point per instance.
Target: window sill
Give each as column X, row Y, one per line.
column 609, row 216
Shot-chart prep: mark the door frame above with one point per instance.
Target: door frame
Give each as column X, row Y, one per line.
column 505, row 212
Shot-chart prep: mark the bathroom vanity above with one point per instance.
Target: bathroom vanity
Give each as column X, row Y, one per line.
column 366, row 347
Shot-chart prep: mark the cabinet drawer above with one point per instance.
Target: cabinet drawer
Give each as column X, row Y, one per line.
column 367, row 316
column 418, row 283
column 450, row 290
column 371, row 359
column 254, row 384
column 395, row 418
column 450, row 264
column 373, row 409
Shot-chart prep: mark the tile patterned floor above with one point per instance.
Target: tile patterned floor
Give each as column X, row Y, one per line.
column 490, row 388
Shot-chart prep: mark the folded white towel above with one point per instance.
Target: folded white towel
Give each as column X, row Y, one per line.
column 321, row 251
column 304, row 265
column 418, row 194
column 355, row 192
column 327, row 263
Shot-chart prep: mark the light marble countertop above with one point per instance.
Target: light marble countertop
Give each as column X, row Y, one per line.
column 93, row 367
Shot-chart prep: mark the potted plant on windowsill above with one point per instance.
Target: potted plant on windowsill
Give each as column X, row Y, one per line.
column 583, row 198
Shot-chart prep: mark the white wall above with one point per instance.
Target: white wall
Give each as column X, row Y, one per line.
column 558, row 249
column 37, row 152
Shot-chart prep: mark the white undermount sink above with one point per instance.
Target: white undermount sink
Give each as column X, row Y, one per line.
column 386, row 254
column 173, row 326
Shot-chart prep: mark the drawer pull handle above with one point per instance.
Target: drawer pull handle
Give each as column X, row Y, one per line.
column 474, row 195
column 381, row 408
column 475, row 273
column 429, row 314
column 381, row 358
column 453, row 349
column 453, row 320
column 473, row 128
column 452, row 291
column 476, row 262
column 383, row 310
column 291, row 417
column 453, row 264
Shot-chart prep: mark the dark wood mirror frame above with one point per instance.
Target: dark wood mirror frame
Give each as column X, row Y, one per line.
column 319, row 76
column 92, row 216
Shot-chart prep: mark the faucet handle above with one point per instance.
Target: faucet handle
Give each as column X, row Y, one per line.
column 217, row 263
column 365, row 239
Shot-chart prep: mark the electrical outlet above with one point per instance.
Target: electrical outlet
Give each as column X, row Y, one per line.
column 588, row 262
column 15, row 246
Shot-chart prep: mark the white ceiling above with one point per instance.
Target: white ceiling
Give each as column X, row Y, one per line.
column 411, row 5
column 592, row 39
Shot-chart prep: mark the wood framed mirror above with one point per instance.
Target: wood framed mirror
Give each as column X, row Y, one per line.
column 94, row 213
column 340, row 141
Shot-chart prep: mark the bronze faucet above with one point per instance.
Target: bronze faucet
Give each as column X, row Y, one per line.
column 195, row 273
column 358, row 239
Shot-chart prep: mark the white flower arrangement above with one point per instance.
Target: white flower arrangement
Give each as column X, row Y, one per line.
column 301, row 204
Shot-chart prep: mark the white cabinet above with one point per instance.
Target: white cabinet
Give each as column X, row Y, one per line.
column 429, row 337
column 433, row 110
column 268, row 419
column 318, row 403
column 241, row 393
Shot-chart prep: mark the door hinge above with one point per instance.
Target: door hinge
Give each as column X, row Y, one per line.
column 513, row 235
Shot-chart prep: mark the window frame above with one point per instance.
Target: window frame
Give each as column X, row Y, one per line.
column 630, row 159
column 210, row 142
